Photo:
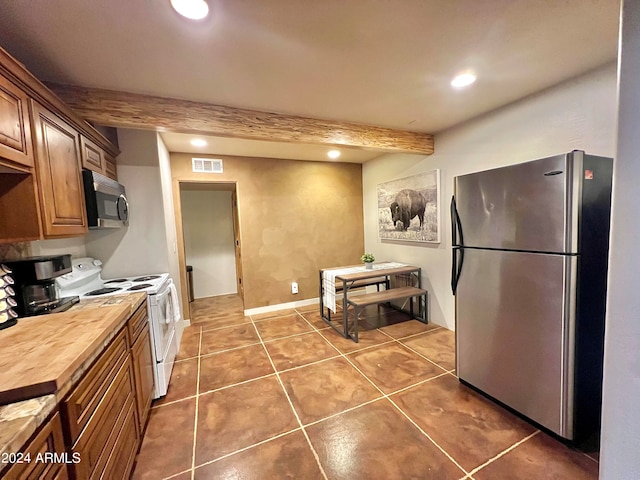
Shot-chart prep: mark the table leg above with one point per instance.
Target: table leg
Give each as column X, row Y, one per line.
column 344, row 308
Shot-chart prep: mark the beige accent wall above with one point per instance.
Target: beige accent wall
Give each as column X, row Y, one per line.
column 295, row 218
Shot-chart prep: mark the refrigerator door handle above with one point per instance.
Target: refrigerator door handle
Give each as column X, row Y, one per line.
column 458, row 247
column 456, row 267
column 457, row 239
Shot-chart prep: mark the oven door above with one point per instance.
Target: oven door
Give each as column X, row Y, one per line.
column 162, row 324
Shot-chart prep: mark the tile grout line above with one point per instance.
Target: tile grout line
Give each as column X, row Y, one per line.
column 249, row 344
column 345, row 356
column 590, row 457
column 350, row 409
column 304, row 432
column 400, row 390
column 249, row 447
column 173, row 402
column 225, row 326
column 244, row 382
column 195, row 420
column 415, row 351
column 258, row 320
column 188, row 470
column 406, row 416
column 429, row 437
column 504, row 452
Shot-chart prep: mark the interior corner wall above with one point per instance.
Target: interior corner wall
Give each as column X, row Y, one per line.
column 171, row 231
column 141, row 247
column 295, row 217
column 577, row 114
column 620, row 439
column 207, row 225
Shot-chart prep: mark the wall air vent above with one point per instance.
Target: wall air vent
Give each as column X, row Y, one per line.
column 206, row 165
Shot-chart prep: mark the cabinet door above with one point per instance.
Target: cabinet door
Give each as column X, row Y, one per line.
column 15, row 133
column 110, row 169
column 48, row 441
column 59, row 176
column 143, row 372
column 92, row 155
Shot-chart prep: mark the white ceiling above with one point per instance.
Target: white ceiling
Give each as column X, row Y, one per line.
column 378, row 62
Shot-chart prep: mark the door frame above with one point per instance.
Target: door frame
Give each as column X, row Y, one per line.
column 231, row 186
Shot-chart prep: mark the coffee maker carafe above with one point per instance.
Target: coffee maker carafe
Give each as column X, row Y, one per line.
column 35, row 286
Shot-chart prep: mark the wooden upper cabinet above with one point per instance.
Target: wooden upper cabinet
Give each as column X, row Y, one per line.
column 92, row 155
column 15, row 133
column 58, row 168
column 110, row 169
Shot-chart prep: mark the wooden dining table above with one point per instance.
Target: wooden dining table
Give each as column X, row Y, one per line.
column 348, row 278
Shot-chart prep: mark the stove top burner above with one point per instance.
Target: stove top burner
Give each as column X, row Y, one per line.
column 101, row 291
column 116, row 280
column 146, row 278
column 140, row 287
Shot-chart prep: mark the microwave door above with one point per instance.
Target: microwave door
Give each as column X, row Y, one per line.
column 106, row 203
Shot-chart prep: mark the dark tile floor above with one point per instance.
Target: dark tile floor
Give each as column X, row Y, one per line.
column 281, row 395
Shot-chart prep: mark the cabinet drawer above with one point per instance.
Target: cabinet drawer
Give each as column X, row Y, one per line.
column 98, row 439
column 48, row 440
column 137, row 322
column 90, row 392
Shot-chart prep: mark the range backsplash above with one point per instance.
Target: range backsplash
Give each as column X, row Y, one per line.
column 14, row 251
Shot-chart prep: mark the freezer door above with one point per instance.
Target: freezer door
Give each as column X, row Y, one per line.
column 528, row 206
column 514, row 331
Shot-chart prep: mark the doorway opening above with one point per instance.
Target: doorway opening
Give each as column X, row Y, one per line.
column 211, row 245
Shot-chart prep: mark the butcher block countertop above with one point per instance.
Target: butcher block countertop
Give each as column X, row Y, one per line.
column 43, row 357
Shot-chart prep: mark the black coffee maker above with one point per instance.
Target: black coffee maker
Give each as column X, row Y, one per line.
column 35, row 286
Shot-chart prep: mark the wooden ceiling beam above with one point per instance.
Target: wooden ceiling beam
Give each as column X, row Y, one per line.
column 130, row 110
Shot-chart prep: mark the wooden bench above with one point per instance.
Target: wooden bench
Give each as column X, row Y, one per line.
column 359, row 302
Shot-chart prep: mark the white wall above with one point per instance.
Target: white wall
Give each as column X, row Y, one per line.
column 140, row 248
column 207, row 223
column 578, row 114
column 169, row 216
column 74, row 246
column 620, row 437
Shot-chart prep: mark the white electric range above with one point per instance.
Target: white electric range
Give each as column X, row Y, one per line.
column 85, row 280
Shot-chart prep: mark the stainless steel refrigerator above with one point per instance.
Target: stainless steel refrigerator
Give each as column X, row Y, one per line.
column 529, row 274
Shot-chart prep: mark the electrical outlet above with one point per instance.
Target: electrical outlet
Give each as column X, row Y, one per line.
column 294, row 287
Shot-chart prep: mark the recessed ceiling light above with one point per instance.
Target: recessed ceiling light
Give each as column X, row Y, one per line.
column 192, row 9
column 333, row 154
column 198, row 142
column 463, row 80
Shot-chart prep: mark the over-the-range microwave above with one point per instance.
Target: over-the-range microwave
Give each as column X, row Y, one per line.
column 107, row 205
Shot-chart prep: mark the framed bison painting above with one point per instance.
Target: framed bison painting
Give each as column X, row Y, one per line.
column 409, row 208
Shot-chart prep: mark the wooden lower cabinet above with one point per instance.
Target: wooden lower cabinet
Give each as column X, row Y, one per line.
column 100, row 437
column 97, row 431
column 143, row 372
column 105, row 414
column 42, row 464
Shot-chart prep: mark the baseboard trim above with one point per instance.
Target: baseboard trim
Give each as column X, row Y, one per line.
column 281, row 306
